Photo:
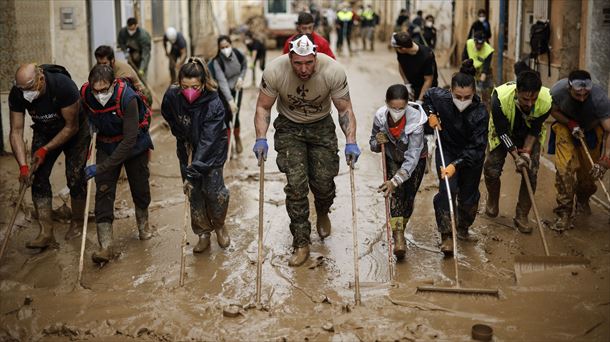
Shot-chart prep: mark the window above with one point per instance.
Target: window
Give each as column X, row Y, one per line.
column 276, row 6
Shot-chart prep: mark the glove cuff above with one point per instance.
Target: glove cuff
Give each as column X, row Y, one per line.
column 24, row 170
column 572, row 124
column 604, row 161
column 41, row 152
column 261, row 139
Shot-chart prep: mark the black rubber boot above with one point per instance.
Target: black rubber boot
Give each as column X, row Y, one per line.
column 45, row 237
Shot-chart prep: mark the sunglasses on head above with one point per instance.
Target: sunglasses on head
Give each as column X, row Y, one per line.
column 581, row 84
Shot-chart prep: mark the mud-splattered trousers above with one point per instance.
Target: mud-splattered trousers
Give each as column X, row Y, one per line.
column 307, row 154
column 403, row 197
column 492, row 169
column 75, row 153
column 137, row 172
column 572, row 168
column 209, row 202
column 464, row 190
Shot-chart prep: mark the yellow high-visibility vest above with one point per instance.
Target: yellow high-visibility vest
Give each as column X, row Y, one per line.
column 478, row 56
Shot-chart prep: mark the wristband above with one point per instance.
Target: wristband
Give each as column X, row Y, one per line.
column 24, row 170
column 41, row 153
column 572, row 124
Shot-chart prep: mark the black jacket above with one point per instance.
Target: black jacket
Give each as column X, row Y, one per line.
column 199, row 125
column 465, row 133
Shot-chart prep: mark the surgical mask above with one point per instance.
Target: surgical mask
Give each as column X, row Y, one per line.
column 226, row 51
column 429, row 24
column 396, row 114
column 191, row 94
column 482, row 19
column 103, row 98
column 132, row 32
column 30, row 95
column 461, row 105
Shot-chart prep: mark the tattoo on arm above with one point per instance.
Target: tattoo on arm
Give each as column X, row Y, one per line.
column 344, row 121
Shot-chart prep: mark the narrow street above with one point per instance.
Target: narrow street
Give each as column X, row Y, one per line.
column 138, row 296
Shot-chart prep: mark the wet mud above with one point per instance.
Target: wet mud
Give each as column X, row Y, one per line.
column 138, row 296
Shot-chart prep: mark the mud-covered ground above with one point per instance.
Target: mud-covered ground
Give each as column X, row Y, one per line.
column 138, row 295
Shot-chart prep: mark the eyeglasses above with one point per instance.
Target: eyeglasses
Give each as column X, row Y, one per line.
column 581, row 84
column 28, row 86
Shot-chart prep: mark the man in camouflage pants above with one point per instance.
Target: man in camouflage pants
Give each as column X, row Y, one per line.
column 305, row 139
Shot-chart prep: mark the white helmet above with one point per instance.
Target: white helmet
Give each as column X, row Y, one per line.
column 303, row 46
column 171, row 34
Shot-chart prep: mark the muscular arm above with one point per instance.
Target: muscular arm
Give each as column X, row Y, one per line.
column 262, row 117
column 347, row 119
column 70, row 115
column 402, row 74
column 16, row 136
column 558, row 115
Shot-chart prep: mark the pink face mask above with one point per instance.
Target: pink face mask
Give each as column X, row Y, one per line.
column 191, row 94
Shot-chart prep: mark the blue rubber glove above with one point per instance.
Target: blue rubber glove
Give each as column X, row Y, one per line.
column 352, row 152
column 90, row 171
column 260, row 148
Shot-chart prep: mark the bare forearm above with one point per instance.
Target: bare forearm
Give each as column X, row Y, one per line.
column 607, row 145
column 18, row 146
column 427, row 84
column 61, row 138
column 530, row 140
column 347, row 121
column 262, row 120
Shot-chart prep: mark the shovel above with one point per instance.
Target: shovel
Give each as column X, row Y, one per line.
column 81, row 260
column 529, row 264
column 187, row 210
column 601, row 182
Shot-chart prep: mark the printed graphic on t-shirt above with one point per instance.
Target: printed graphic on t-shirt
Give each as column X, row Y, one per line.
column 300, row 102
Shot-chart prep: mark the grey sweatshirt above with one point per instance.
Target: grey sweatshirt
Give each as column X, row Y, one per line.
column 232, row 71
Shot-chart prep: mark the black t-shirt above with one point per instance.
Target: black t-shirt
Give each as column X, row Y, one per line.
column 258, row 46
column 415, row 67
column 60, row 92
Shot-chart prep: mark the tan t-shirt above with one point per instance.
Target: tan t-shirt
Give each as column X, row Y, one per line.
column 304, row 101
column 124, row 70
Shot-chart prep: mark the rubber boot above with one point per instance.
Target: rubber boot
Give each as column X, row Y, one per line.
column 400, row 244
column 464, row 235
column 45, row 237
column 222, row 237
column 521, row 221
column 583, row 207
column 300, row 255
column 76, row 225
column 563, row 222
column 238, row 146
column 323, row 225
column 104, row 237
column 203, row 243
column 446, row 245
column 142, row 220
column 493, row 197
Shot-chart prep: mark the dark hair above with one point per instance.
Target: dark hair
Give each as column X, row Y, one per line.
column 101, row 72
column 420, row 13
column 403, row 39
column 397, row 92
column 304, row 18
column 429, row 16
column 481, row 11
column 579, row 75
column 132, row 21
column 104, row 51
column 196, row 68
column 528, row 81
column 479, row 36
column 223, row 37
column 465, row 77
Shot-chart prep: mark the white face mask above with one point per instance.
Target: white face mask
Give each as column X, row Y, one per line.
column 227, row 51
column 132, row 32
column 461, row 105
column 103, row 98
column 429, row 24
column 396, row 114
column 482, row 19
column 30, row 95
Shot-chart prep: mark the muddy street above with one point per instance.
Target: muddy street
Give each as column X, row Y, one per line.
column 138, row 295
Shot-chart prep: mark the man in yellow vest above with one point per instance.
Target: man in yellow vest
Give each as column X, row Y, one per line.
column 518, row 113
column 345, row 23
column 369, row 20
column 481, row 54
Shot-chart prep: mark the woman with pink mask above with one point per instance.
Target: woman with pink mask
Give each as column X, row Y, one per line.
column 195, row 114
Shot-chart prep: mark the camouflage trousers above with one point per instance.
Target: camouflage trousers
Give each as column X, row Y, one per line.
column 307, row 154
column 492, row 170
column 403, row 198
column 572, row 164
